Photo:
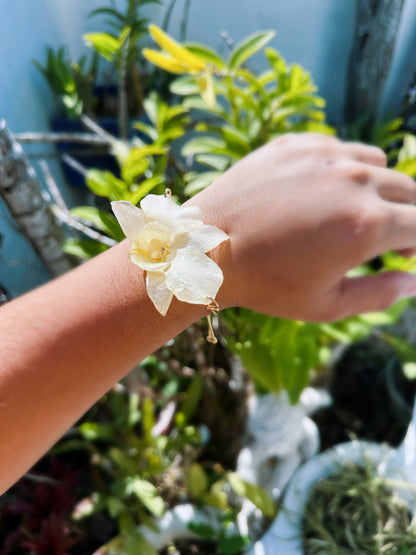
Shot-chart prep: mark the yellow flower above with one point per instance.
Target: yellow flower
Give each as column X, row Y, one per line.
column 169, row 242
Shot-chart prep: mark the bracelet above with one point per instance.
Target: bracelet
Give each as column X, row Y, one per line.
column 169, row 242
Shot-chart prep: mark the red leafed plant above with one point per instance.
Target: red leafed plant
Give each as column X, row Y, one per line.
column 36, row 513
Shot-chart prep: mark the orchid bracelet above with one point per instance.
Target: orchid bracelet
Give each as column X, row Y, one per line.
column 169, row 242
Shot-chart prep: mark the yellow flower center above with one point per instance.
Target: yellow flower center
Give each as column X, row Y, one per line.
column 152, row 245
column 157, row 250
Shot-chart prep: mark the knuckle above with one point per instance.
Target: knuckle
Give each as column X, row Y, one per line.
column 365, row 227
column 353, row 172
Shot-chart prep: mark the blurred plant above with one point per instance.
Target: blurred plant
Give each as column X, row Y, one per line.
column 237, row 111
column 122, row 49
column 41, row 513
column 284, row 354
column 139, row 462
column 146, row 166
column 71, row 83
column 146, row 451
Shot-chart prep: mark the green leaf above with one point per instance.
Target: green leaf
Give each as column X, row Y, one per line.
column 148, row 130
column 203, row 145
column 94, row 431
column 148, row 418
column 198, row 181
column 127, row 464
column 97, row 181
column 84, row 248
column 409, row 369
column 207, row 54
column 206, row 86
column 196, row 481
column 216, row 499
column 115, row 506
column 248, row 47
column 203, row 530
column 253, row 493
column 192, row 398
column 231, row 545
column 105, row 184
column 134, row 413
column 151, row 105
column 134, row 168
column 220, row 163
column 99, row 219
column 136, row 544
column 105, row 44
column 235, row 139
column 144, row 188
column 184, row 85
column 136, row 163
column 312, row 127
column 407, row 167
column 146, row 493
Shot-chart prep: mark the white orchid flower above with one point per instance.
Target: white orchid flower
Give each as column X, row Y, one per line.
column 169, row 242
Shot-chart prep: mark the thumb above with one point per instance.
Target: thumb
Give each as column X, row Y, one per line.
column 372, row 293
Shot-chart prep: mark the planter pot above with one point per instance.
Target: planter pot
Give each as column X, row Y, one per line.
column 285, row 534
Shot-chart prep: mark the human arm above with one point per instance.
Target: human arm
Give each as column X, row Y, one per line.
column 300, row 213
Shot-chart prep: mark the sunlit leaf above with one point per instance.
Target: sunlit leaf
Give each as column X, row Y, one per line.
column 248, row 47
column 164, row 61
column 207, row 54
column 99, row 219
column 94, row 431
column 253, row 493
column 84, row 248
column 196, row 480
column 206, row 89
column 176, row 50
column 146, row 493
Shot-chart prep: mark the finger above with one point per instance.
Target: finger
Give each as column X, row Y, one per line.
column 366, row 153
column 407, row 253
column 371, row 293
column 397, row 229
column 394, row 186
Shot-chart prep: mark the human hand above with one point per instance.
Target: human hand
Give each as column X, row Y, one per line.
column 301, row 212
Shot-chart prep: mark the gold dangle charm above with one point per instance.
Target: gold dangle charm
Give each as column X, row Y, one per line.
column 213, row 308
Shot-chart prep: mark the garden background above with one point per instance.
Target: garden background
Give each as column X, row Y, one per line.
column 198, row 440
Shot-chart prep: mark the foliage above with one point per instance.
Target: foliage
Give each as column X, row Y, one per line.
column 70, row 82
column 42, row 505
column 219, row 111
column 358, row 511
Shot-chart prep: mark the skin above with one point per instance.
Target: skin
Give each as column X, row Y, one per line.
column 301, row 212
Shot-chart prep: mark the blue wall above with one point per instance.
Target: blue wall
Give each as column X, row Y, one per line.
column 317, row 34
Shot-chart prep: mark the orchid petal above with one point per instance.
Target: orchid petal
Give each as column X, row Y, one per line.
column 159, row 294
column 203, row 238
column 130, row 218
column 193, row 277
column 180, row 219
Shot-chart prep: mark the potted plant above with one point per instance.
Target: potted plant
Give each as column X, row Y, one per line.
column 351, row 466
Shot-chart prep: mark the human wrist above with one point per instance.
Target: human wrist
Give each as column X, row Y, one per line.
column 169, row 243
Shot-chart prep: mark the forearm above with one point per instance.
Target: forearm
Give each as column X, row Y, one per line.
column 65, row 344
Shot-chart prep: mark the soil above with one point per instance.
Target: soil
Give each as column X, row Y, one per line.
column 372, row 398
